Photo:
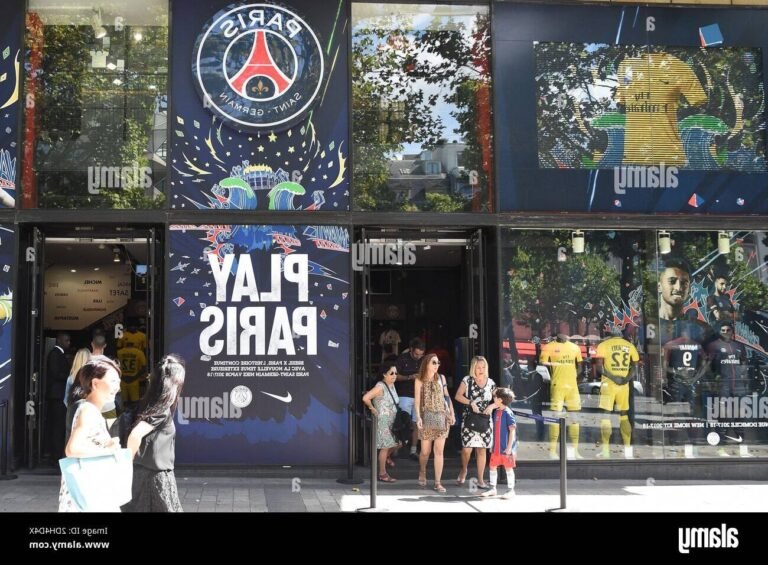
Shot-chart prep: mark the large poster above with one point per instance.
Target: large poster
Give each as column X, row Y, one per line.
column 261, row 316
column 10, row 75
column 260, row 118
column 631, row 109
column 7, row 274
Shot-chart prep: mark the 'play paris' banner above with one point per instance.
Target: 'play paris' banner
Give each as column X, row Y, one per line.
column 261, row 316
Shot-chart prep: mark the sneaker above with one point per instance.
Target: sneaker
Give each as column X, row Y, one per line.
column 628, row 454
column 488, row 493
column 508, row 495
column 723, row 453
column 413, row 456
column 573, row 453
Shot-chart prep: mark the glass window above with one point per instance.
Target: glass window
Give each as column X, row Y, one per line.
column 421, row 107
column 96, row 104
column 711, row 365
column 650, row 344
column 573, row 308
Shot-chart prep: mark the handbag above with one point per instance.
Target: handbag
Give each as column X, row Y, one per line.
column 99, row 484
column 401, row 425
column 478, row 423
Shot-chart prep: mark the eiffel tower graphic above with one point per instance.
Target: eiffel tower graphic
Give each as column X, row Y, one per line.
column 260, row 64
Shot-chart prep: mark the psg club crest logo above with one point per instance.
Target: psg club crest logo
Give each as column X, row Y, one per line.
column 258, row 66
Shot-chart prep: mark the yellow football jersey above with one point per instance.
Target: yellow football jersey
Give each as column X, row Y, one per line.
column 132, row 360
column 650, row 88
column 617, row 354
column 561, row 358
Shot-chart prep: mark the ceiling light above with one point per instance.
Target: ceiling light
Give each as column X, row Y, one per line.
column 577, row 241
column 115, row 254
column 73, row 270
column 723, row 242
column 665, row 242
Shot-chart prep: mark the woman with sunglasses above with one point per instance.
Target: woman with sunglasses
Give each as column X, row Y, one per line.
column 382, row 401
column 434, row 416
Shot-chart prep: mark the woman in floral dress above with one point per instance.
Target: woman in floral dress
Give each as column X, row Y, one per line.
column 382, row 401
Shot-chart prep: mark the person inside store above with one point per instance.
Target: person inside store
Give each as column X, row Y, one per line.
column 408, row 366
column 152, row 441
column 434, row 417
column 134, row 364
column 563, row 359
column 615, row 358
column 56, row 374
column 476, row 394
column 381, row 400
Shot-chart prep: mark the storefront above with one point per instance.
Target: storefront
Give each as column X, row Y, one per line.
column 285, row 194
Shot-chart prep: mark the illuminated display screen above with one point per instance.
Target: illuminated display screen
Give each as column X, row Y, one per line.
column 604, row 106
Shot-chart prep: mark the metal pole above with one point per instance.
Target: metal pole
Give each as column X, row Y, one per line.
column 563, row 464
column 4, row 442
column 350, row 478
column 374, row 463
column 374, row 470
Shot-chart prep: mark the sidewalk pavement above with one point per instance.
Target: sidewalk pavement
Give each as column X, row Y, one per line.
column 200, row 493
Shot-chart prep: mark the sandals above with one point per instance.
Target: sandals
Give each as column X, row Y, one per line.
column 460, row 481
column 390, row 463
column 387, row 479
column 439, row 488
column 422, row 482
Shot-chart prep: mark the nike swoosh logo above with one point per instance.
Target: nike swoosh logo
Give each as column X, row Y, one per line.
column 736, row 439
column 287, row 398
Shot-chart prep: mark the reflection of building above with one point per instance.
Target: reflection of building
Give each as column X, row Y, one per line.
column 438, row 170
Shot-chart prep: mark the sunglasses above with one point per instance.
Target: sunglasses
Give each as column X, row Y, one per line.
column 726, row 330
column 392, row 373
column 435, row 362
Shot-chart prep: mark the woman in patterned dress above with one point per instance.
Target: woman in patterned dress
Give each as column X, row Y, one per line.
column 434, row 416
column 98, row 383
column 382, row 401
column 476, row 394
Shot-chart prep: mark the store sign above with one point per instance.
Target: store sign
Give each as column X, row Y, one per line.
column 261, row 316
column 258, row 66
column 74, row 301
column 260, row 117
column 7, row 275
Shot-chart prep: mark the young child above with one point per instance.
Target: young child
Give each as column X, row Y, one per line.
column 504, row 441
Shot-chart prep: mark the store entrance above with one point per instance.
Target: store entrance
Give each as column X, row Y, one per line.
column 86, row 288
column 425, row 284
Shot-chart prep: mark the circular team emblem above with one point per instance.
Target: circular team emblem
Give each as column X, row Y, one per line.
column 240, row 396
column 258, row 66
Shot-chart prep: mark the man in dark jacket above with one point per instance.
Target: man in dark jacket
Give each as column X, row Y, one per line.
column 56, row 374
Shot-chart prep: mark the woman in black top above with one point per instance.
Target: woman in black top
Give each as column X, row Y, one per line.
column 152, row 441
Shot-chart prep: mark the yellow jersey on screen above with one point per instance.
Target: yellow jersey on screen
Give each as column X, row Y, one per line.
column 650, row 88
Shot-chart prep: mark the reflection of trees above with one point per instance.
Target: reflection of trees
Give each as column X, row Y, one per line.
column 390, row 109
column 86, row 120
column 567, row 131
column 542, row 292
